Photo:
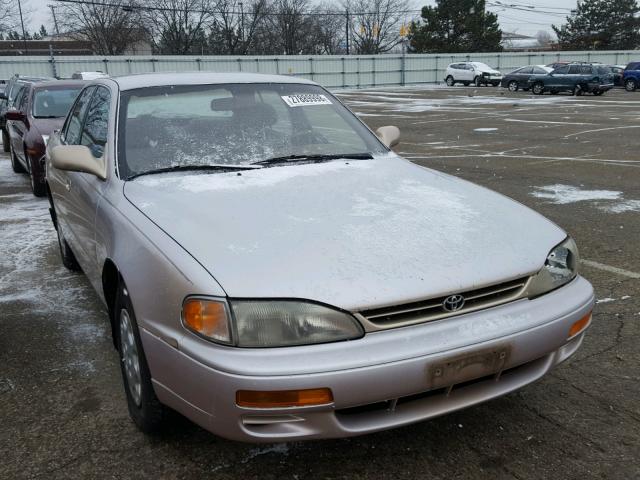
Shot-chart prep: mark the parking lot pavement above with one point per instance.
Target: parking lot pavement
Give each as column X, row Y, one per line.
column 574, row 159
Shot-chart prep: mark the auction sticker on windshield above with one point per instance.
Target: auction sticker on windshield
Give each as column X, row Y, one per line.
column 305, row 99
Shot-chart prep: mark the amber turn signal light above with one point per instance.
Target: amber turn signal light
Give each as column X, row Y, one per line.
column 283, row 398
column 580, row 325
column 207, row 317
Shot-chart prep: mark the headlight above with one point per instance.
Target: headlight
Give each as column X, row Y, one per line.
column 277, row 323
column 45, row 139
column 560, row 268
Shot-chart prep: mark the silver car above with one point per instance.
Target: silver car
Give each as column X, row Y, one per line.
column 273, row 271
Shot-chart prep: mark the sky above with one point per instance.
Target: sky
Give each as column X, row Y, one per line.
column 514, row 15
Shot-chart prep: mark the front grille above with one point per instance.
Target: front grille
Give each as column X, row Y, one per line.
column 433, row 308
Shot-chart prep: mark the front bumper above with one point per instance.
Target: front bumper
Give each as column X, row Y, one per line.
column 384, row 381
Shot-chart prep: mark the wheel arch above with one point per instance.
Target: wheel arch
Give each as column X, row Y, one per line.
column 110, row 282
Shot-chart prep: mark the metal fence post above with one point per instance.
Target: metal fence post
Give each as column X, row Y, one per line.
column 106, row 65
column 435, row 74
column 358, row 69
column 277, row 66
column 311, row 67
column 402, row 67
column 129, row 65
column 373, row 70
column 198, row 60
column 52, row 61
column 239, row 64
column 344, row 76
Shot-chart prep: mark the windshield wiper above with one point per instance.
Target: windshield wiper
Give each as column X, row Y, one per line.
column 177, row 168
column 313, row 158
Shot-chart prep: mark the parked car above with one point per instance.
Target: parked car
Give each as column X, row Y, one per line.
column 574, row 78
column 631, row 76
column 617, row 71
column 273, row 271
column 7, row 97
column 472, row 72
column 519, row 78
column 88, row 75
column 39, row 109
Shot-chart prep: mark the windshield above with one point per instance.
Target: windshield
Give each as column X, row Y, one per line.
column 482, row 65
column 233, row 124
column 53, row 103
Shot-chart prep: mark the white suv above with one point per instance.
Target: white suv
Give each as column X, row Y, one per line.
column 472, row 72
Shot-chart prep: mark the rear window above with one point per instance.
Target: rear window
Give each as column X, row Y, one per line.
column 54, row 103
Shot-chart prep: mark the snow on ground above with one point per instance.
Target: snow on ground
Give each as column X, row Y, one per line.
column 31, row 272
column 610, row 201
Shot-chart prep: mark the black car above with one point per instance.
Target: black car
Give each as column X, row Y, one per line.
column 12, row 88
column 519, row 78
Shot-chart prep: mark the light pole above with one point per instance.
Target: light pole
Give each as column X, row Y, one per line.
column 24, row 36
column 55, row 20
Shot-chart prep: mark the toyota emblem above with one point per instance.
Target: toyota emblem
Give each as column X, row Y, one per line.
column 453, row 303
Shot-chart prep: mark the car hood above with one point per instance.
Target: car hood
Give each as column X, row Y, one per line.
column 47, row 125
column 490, row 71
column 354, row 234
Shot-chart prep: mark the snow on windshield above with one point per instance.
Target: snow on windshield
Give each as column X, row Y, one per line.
column 235, row 124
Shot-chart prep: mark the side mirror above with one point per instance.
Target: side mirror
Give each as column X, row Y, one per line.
column 15, row 115
column 389, row 135
column 77, row 158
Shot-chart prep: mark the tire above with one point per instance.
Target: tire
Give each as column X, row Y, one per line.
column 630, row 85
column 16, row 166
column 450, row 81
column 5, row 140
column 37, row 187
column 66, row 254
column 145, row 409
column 513, row 86
column 578, row 91
column 477, row 81
column 537, row 88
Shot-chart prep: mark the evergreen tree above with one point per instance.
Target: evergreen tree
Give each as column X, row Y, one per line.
column 43, row 32
column 601, row 25
column 456, row 26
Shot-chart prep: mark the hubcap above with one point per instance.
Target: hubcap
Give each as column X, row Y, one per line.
column 513, row 86
column 130, row 359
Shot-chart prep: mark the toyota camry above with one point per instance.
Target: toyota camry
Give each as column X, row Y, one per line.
column 274, row 271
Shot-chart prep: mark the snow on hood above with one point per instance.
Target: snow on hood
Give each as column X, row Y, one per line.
column 354, row 234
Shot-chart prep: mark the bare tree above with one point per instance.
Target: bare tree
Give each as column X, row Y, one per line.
column 177, row 26
column 235, row 24
column 544, row 38
column 110, row 29
column 10, row 16
column 328, row 30
column 376, row 24
column 288, row 28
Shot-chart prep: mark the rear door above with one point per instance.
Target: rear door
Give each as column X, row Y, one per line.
column 522, row 76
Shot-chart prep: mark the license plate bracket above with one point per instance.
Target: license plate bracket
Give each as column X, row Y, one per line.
column 468, row 366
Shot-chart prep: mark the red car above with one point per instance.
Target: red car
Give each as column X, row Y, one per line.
column 39, row 109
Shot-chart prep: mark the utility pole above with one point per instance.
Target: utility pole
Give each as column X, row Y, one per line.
column 24, row 35
column 55, row 20
column 347, row 25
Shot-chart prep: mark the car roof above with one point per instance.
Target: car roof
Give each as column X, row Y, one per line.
column 130, row 82
column 59, row 83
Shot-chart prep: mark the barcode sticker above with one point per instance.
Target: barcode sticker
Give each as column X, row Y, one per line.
column 305, row 100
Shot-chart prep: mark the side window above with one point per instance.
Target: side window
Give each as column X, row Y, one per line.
column 72, row 128
column 21, row 103
column 94, row 132
column 539, row 71
column 562, row 70
column 526, row 70
column 575, row 70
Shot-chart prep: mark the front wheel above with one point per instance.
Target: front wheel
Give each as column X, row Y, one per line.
column 145, row 409
column 477, row 82
column 5, row 140
column 449, row 81
column 466, row 84
column 513, row 86
column 537, row 89
column 630, row 85
column 16, row 166
column 37, row 185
